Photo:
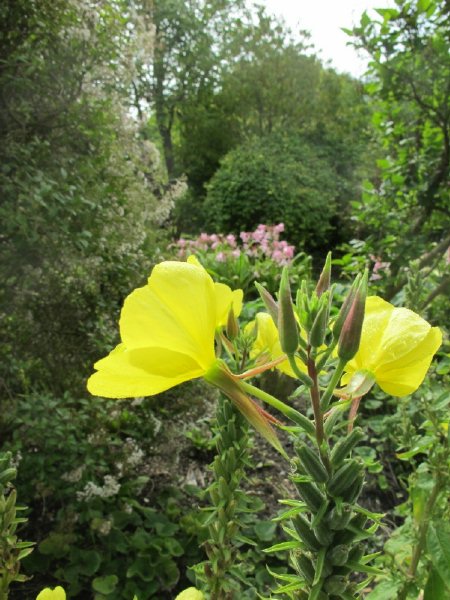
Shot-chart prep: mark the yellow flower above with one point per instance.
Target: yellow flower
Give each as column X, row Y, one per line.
column 396, row 349
column 168, row 330
column 191, row 593
column 47, row 594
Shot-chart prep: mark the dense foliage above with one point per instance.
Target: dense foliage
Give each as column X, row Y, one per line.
column 274, row 179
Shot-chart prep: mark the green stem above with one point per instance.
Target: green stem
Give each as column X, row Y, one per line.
column 315, row 400
column 225, row 495
column 327, row 395
column 286, row 410
column 304, row 378
column 422, row 535
column 326, row 355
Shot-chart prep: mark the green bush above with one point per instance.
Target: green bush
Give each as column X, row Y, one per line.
column 270, row 180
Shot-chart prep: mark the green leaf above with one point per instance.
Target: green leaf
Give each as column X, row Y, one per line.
column 87, row 561
column 438, row 546
column 435, row 588
column 105, row 585
column 265, row 530
column 283, row 546
column 387, row 590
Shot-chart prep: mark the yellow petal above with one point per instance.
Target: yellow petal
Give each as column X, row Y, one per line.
column 402, row 378
column 268, row 342
column 141, row 372
column 48, row 594
column 377, row 315
column 225, row 299
column 397, row 347
column 176, row 311
column 415, row 342
column 191, row 593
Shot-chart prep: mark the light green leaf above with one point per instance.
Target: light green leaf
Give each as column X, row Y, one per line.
column 438, row 545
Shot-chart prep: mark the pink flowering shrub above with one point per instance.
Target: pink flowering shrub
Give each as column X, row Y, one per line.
column 262, row 244
column 240, row 260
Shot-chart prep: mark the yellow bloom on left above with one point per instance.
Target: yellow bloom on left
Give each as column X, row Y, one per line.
column 56, row 594
column 167, row 329
column 168, row 332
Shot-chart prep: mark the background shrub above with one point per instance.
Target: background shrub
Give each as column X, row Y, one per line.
column 270, row 180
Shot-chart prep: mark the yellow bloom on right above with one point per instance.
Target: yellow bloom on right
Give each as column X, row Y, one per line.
column 396, row 348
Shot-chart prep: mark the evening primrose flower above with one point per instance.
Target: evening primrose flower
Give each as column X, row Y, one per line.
column 48, row 594
column 168, row 328
column 396, row 350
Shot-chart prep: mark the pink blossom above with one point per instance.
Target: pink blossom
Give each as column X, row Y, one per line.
column 288, row 252
column 220, row 257
column 258, row 235
column 231, row 240
column 378, row 266
column 181, row 242
column 277, row 255
column 245, row 236
column 279, row 228
column 236, row 253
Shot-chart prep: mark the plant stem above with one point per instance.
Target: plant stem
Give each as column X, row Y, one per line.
column 315, row 400
column 325, row 401
column 422, row 534
column 226, row 497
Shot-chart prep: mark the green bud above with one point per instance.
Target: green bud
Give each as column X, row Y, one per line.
column 306, row 567
column 311, row 463
column 339, row 518
column 287, row 325
column 319, row 327
column 350, row 336
column 336, row 584
column 344, row 477
column 340, row 319
column 325, row 277
column 232, row 325
column 269, row 302
column 344, row 446
column 338, row 555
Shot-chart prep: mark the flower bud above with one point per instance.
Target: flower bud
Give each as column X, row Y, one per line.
column 287, row 324
column 325, row 277
column 269, row 302
column 350, row 336
column 319, row 327
column 232, row 325
column 340, row 319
